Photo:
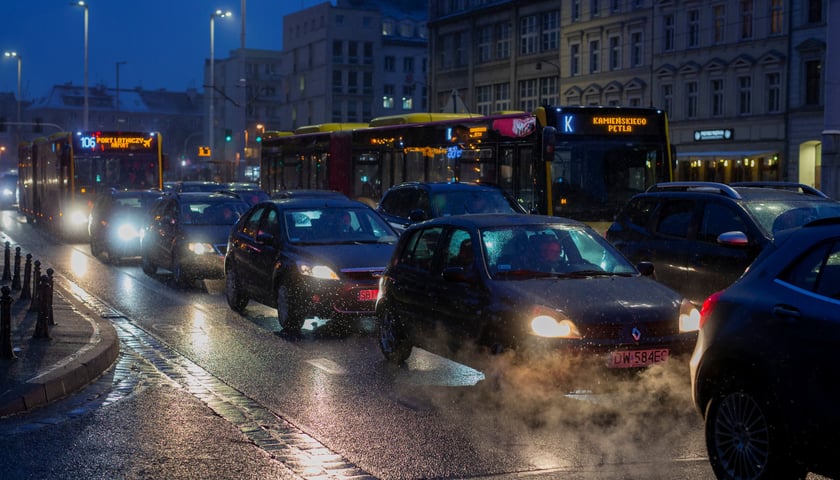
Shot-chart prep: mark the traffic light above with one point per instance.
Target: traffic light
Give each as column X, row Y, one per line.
column 259, row 138
column 228, row 134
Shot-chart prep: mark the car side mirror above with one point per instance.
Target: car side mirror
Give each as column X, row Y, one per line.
column 645, row 268
column 417, row 215
column 733, row 239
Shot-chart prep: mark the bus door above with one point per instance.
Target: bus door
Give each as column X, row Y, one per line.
column 517, row 174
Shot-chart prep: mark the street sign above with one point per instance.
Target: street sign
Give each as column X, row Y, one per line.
column 203, row 151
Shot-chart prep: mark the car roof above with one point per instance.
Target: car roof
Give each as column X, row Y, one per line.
column 741, row 191
column 317, row 202
column 191, row 196
column 448, row 186
column 490, row 220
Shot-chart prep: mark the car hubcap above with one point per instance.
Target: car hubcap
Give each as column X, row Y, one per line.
column 742, row 436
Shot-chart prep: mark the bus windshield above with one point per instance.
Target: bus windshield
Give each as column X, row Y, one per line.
column 592, row 179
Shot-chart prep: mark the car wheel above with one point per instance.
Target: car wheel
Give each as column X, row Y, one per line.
column 237, row 298
column 744, row 440
column 289, row 318
column 95, row 248
column 393, row 340
column 149, row 268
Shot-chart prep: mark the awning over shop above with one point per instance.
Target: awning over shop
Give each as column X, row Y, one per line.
column 727, row 154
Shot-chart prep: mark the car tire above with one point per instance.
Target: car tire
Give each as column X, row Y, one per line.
column 149, row 268
column 744, row 438
column 237, row 298
column 95, row 248
column 288, row 316
column 393, row 339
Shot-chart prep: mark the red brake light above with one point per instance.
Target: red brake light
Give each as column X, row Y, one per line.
column 708, row 306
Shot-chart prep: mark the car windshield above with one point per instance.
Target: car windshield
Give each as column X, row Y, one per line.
column 777, row 215
column 460, row 202
column 134, row 203
column 337, row 225
column 212, row 212
column 550, row 250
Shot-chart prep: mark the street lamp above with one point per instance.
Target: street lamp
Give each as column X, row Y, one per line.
column 15, row 55
column 221, row 14
column 85, row 115
column 117, row 99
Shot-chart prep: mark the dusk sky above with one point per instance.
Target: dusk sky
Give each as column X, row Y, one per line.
column 164, row 42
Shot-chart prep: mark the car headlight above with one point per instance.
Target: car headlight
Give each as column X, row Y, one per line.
column 79, row 218
column 546, row 322
column 689, row 317
column 322, row 272
column 127, row 232
column 199, row 248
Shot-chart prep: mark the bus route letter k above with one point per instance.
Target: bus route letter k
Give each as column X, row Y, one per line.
column 567, row 124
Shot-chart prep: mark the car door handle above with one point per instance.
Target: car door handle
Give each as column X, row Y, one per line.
column 786, row 312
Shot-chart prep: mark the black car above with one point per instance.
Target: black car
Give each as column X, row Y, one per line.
column 763, row 373
column 186, row 186
column 186, row 233
column 481, row 281
column 701, row 236
column 412, row 202
column 308, row 257
column 117, row 222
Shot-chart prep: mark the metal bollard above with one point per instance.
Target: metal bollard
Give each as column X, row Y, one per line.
column 41, row 328
column 36, row 278
column 16, row 271
column 7, row 273
column 26, row 292
column 6, row 350
column 49, row 300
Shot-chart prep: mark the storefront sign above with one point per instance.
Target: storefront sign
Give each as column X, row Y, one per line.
column 718, row 134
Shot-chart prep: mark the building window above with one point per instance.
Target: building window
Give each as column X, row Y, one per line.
column 667, row 92
column 615, row 52
column 691, row 99
column 594, row 8
column 636, row 48
column 352, row 112
column 336, row 112
column 390, row 63
column 744, row 95
column 594, row 56
column 574, row 60
column 575, row 10
column 774, row 92
column 528, row 95
column 367, row 83
column 408, row 98
column 338, row 51
column 461, row 45
column 776, row 17
column 550, row 31
column 668, row 25
column 484, row 99
column 813, row 81
column 338, row 82
column 388, row 97
column 528, row 35
column 549, row 90
column 502, row 97
column 485, row 44
column 408, row 65
column 717, row 97
column 368, row 53
column 719, row 15
column 502, row 40
column 693, row 28
column 388, row 27
column 815, row 9
column 447, row 51
column 352, row 52
column 352, row 83
column 615, row 6
column 746, row 19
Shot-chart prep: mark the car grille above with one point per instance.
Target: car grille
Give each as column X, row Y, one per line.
column 622, row 330
column 363, row 274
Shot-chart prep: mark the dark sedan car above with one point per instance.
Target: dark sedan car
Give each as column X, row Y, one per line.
column 308, row 257
column 481, row 280
column 117, row 222
column 187, row 234
column 763, row 373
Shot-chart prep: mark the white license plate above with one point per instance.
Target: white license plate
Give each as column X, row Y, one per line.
column 637, row 358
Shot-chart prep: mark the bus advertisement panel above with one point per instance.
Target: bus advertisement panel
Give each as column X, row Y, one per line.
column 61, row 174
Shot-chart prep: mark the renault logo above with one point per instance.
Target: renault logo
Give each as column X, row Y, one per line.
column 636, row 333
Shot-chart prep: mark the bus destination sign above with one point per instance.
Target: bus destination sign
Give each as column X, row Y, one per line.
column 585, row 124
column 105, row 141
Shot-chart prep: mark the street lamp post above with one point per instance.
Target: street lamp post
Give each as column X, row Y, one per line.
column 86, row 114
column 117, row 99
column 222, row 14
column 16, row 55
